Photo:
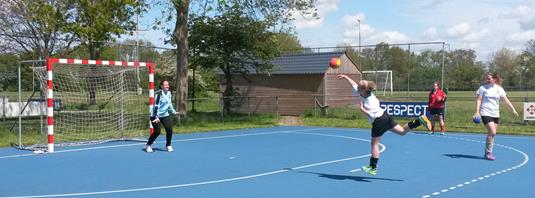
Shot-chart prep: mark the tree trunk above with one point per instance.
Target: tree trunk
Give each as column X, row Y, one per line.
column 93, row 55
column 228, row 93
column 181, row 40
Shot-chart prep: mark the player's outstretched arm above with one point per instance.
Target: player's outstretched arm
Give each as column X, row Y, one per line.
column 342, row 76
column 510, row 105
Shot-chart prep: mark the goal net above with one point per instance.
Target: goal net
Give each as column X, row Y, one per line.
column 91, row 102
column 382, row 78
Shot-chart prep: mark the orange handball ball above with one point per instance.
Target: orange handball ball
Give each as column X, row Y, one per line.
column 334, row 63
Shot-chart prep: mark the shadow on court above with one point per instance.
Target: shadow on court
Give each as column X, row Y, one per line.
column 347, row 177
column 464, row 156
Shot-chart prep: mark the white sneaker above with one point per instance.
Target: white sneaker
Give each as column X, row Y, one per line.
column 170, row 149
column 442, row 133
column 148, row 149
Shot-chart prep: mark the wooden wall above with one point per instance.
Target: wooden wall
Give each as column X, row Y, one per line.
column 295, row 93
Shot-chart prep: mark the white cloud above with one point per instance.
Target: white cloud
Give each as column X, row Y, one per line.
column 431, row 33
column 459, row 30
column 476, row 35
column 351, row 26
column 521, row 37
column 324, row 8
column 390, row 37
column 524, row 15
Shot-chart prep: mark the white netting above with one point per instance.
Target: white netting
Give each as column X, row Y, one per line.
column 96, row 103
column 383, row 80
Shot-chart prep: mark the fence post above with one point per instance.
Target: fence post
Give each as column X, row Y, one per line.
column 4, row 108
column 221, row 101
column 525, row 100
column 277, row 107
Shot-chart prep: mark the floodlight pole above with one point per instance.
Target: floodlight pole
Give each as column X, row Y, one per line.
column 442, row 69
column 360, row 58
column 358, row 20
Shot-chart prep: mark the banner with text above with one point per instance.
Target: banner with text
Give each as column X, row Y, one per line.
column 405, row 109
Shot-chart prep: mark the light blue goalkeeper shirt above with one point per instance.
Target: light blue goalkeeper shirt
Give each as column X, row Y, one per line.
column 164, row 105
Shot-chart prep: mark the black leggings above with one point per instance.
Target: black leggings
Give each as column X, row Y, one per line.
column 168, row 125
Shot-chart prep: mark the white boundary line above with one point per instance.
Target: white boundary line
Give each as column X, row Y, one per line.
column 137, row 144
column 213, row 181
column 470, row 181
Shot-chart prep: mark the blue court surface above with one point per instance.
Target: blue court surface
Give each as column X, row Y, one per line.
column 277, row 162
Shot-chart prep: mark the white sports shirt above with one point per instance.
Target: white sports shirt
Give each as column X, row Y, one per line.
column 372, row 105
column 490, row 104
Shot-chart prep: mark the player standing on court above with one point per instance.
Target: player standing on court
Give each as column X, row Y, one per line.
column 488, row 108
column 163, row 107
column 436, row 104
column 381, row 122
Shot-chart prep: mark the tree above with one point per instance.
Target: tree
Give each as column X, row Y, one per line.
column 33, row 27
column 465, row 72
column 235, row 44
column 8, row 72
column 178, row 10
column 527, row 65
column 505, row 63
column 95, row 22
column 288, row 42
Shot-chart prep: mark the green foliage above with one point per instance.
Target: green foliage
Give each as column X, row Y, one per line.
column 34, row 27
column 96, row 21
column 8, row 72
column 288, row 42
column 233, row 43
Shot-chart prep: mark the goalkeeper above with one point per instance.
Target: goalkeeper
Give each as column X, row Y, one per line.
column 159, row 114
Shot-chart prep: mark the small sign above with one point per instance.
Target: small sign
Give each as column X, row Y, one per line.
column 529, row 111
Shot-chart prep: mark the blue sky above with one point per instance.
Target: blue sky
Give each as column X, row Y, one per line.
column 483, row 25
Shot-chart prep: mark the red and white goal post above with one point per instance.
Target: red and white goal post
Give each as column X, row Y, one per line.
column 100, row 75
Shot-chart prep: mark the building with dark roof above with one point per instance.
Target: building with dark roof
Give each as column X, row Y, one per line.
column 300, row 82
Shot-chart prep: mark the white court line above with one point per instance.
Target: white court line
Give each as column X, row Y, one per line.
column 216, row 181
column 180, row 140
column 383, row 147
column 470, row 181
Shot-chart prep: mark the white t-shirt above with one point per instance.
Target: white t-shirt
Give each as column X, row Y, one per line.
column 372, row 105
column 490, row 104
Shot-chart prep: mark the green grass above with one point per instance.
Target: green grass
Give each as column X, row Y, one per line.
column 459, row 111
column 194, row 122
column 460, row 108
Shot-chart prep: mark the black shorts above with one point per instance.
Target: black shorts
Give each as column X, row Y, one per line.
column 487, row 119
column 437, row 111
column 382, row 124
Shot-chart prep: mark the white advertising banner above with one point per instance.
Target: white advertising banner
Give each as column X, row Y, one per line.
column 529, row 111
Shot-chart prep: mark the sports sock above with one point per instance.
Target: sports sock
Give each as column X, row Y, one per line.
column 489, row 147
column 413, row 124
column 373, row 162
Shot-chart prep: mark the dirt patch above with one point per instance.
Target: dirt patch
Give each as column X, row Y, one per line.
column 290, row 121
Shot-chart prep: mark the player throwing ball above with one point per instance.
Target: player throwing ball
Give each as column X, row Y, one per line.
column 381, row 122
